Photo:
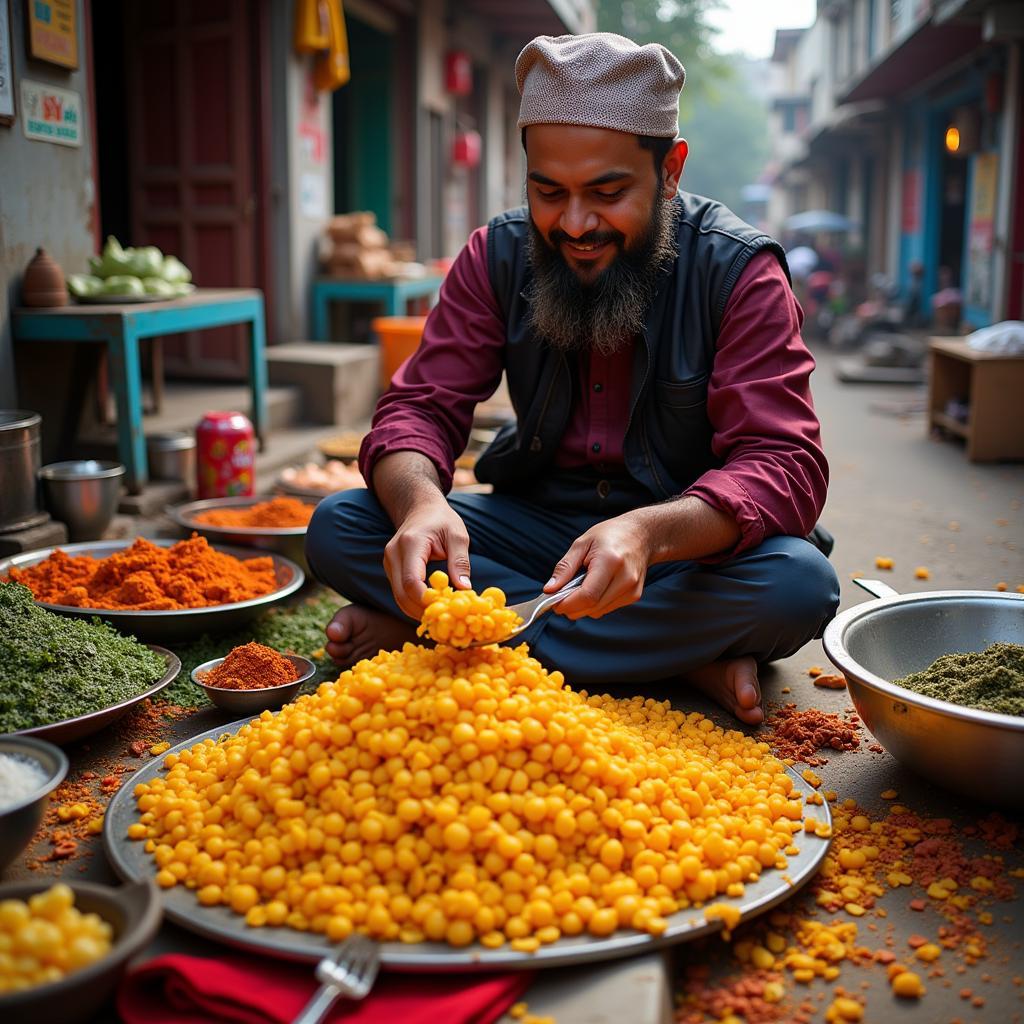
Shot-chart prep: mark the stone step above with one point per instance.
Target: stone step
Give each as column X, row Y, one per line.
column 339, row 382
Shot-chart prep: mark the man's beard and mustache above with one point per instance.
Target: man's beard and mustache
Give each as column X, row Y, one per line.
column 605, row 313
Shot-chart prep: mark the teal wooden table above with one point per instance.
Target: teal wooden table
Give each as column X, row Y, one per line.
column 393, row 293
column 121, row 326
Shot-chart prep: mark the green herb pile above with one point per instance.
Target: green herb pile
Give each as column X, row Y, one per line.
column 53, row 668
column 295, row 630
column 991, row 680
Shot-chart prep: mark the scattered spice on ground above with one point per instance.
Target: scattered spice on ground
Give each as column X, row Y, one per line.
column 251, row 667
column 799, row 735
column 148, row 577
column 830, row 682
column 989, row 680
column 53, row 667
column 278, row 513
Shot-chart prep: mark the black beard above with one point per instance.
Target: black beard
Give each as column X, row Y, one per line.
column 607, row 312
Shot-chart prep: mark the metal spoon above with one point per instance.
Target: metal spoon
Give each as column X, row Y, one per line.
column 529, row 610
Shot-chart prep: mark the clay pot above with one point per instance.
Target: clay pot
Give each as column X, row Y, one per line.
column 43, row 282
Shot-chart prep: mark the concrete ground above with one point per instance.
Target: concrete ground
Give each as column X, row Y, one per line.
column 895, row 492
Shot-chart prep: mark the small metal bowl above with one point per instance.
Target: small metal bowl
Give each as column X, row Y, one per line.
column 252, row 702
column 19, row 821
column 977, row 753
column 83, row 494
column 134, row 912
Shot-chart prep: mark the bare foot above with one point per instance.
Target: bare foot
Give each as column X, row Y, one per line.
column 356, row 632
column 733, row 684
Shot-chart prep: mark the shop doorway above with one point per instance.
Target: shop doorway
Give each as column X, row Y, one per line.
column 182, row 122
column 363, row 110
column 952, row 215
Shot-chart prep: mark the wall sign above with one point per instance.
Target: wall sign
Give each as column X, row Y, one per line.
column 53, row 31
column 49, row 114
column 6, row 67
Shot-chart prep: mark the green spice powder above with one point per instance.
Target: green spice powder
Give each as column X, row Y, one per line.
column 53, row 667
column 992, row 680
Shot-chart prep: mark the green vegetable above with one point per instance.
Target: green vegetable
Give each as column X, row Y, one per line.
column 84, row 284
column 146, row 261
column 53, row 668
column 112, row 261
column 122, row 284
column 174, row 271
column 158, row 286
column 295, row 630
column 992, row 680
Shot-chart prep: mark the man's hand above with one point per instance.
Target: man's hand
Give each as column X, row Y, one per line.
column 432, row 531
column 615, row 554
column 426, row 528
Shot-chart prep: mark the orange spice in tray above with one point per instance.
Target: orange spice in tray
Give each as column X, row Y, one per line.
column 277, row 513
column 147, row 577
column 251, row 667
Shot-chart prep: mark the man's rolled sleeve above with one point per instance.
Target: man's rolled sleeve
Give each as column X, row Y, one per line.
column 774, row 475
column 429, row 406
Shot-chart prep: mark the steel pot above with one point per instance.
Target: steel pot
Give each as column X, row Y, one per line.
column 19, row 467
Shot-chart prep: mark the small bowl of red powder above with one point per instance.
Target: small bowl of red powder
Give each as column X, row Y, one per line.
column 253, row 678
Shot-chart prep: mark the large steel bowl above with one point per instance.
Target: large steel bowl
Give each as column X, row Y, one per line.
column 289, row 541
column 977, row 753
column 169, row 626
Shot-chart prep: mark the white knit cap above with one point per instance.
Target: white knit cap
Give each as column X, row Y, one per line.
column 600, row 80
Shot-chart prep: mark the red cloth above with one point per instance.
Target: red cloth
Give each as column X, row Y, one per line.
column 177, row 989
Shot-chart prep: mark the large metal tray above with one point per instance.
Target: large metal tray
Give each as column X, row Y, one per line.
column 169, row 626
column 71, row 729
column 131, row 862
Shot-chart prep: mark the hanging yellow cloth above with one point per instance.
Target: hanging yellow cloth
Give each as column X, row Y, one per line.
column 331, row 70
column 312, row 26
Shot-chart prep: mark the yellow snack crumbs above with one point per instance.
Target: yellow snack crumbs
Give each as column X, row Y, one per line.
column 461, row 617
column 45, row 939
column 884, row 562
column 922, row 573
column 467, row 795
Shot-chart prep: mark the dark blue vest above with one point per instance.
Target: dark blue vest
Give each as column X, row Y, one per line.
column 668, row 438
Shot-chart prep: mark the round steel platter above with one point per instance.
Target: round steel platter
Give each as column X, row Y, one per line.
column 132, row 863
column 182, row 623
column 85, row 725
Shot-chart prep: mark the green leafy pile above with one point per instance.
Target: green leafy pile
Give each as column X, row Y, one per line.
column 292, row 630
column 53, row 668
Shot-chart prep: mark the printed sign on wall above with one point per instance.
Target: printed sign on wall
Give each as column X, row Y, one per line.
column 53, row 31
column 50, row 114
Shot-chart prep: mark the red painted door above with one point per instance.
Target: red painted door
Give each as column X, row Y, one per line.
column 197, row 102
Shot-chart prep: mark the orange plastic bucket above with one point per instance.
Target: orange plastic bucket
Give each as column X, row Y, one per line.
column 399, row 337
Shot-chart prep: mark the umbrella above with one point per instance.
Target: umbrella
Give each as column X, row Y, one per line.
column 818, row 220
column 802, row 260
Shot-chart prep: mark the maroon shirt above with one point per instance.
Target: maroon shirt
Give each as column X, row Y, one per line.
column 774, row 474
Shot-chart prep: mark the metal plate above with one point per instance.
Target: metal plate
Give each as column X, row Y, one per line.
column 132, row 863
column 183, row 623
column 85, row 725
column 185, row 516
column 119, row 300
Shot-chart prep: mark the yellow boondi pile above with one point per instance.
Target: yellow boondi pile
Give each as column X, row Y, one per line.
column 459, row 795
column 459, row 618
column 47, row 938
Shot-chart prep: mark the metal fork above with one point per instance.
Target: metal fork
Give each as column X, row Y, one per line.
column 529, row 610
column 350, row 972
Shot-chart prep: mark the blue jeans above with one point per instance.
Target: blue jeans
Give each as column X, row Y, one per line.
column 767, row 602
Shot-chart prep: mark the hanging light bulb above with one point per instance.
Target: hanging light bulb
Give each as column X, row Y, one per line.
column 952, row 139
